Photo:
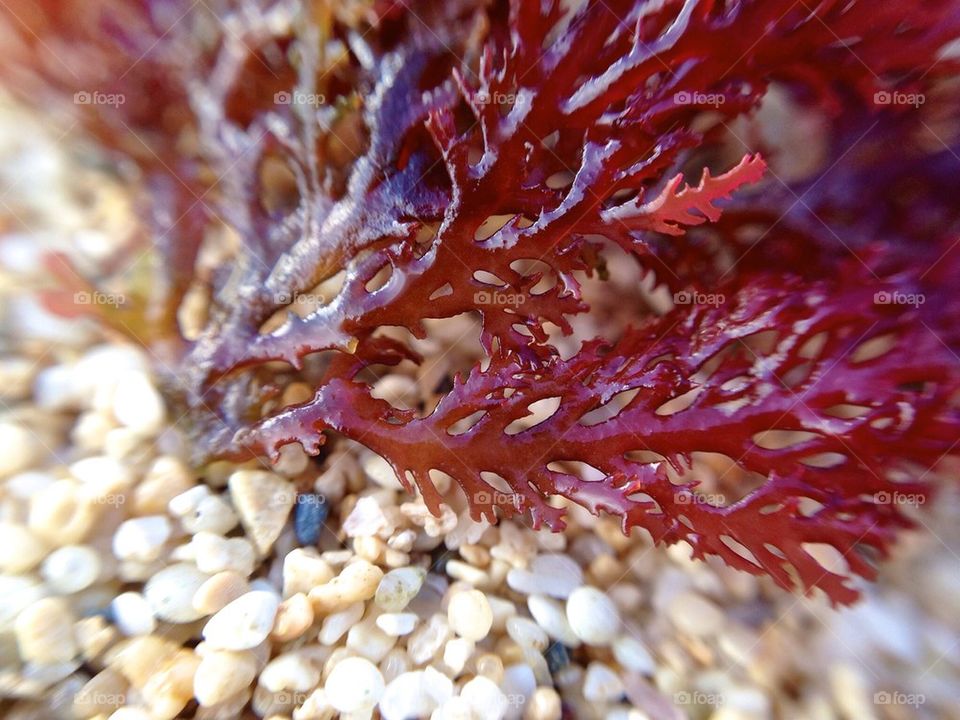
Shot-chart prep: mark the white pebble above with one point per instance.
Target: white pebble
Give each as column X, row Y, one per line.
column 397, row 624
column 133, row 614
column 526, row 633
column 170, row 592
column 405, row 697
column 222, row 674
column 456, row 708
column 61, row 514
column 141, row 539
column 20, row 549
column 427, row 639
column 53, row 388
column 290, row 671
column 48, row 674
column 518, row 684
column 601, row 684
column 457, row 652
column 201, row 511
column 44, row 632
column 291, row 460
column 538, row 665
column 366, row 519
column 335, row 558
column 549, row 574
column 850, row 688
column 502, row 610
column 466, row 532
column 357, row 581
column 102, row 476
column 398, row 587
column 89, row 432
column 165, row 478
column 403, row 540
column 545, row 704
column 633, row 655
column 218, row 591
column 304, row 570
column 550, row 616
column 263, row 501
column 335, row 625
column 746, row 702
column 130, row 713
column 486, row 699
column 137, row 404
column 693, row 614
column 316, row 707
column 244, row 623
column 368, row 640
column 467, row 573
column 16, row 376
column 215, row 554
column 17, row 592
column 593, row 616
column 122, row 443
column 469, row 615
column 95, row 375
column 186, row 502
column 19, row 449
column 71, row 568
column 355, row 684
column 401, row 391
column 212, row 514
column 25, row 485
